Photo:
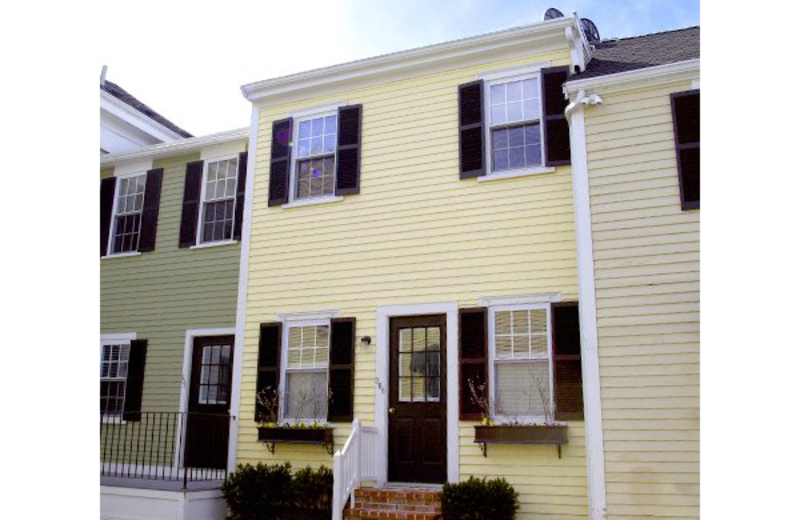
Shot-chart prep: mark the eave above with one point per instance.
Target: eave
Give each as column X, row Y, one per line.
column 493, row 46
column 135, row 118
column 174, row 148
column 634, row 79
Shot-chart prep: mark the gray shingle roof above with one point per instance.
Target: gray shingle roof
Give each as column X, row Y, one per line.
column 639, row 52
column 121, row 94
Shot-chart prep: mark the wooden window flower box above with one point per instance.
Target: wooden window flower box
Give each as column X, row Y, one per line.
column 521, row 434
column 272, row 435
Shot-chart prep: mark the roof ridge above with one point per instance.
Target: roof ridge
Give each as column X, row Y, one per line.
column 129, row 99
column 668, row 31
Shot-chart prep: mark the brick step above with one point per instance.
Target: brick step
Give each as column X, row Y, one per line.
column 396, row 504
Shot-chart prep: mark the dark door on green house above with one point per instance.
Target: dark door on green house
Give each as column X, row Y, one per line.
column 207, row 420
column 418, row 400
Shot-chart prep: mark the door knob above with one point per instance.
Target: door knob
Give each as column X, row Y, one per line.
column 391, row 411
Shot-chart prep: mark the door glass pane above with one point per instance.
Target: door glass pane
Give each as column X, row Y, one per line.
column 405, row 389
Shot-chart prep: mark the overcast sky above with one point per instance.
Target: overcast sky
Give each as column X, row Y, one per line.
column 187, row 61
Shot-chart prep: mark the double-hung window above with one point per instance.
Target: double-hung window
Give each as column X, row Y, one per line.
column 306, row 372
column 521, row 367
column 315, row 157
column 219, row 200
column 514, row 129
column 113, row 377
column 127, row 221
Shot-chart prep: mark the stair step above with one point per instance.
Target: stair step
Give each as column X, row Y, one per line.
column 409, row 503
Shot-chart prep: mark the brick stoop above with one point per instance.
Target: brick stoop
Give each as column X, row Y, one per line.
column 396, row 504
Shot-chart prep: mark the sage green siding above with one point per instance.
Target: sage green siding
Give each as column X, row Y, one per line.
column 161, row 294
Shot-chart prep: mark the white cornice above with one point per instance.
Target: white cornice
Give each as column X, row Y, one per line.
column 135, row 118
column 496, row 45
column 688, row 69
column 177, row 147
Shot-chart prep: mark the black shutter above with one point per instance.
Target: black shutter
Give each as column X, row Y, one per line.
column 348, row 151
column 152, row 200
column 280, row 162
column 269, row 362
column 686, row 126
column 341, row 374
column 472, row 359
column 107, row 190
column 568, row 384
column 470, row 135
column 556, row 127
column 191, row 204
column 135, row 381
column 241, row 187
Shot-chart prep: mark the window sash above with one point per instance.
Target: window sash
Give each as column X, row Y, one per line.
column 300, row 156
column 287, row 370
column 495, row 361
column 211, row 227
column 127, row 213
column 118, row 380
column 536, row 118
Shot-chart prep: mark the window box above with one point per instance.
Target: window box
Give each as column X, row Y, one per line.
column 272, row 435
column 522, row 434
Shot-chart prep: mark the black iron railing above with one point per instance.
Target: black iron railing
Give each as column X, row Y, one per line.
column 173, row 446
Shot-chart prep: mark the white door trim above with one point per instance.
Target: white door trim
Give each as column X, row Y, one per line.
column 450, row 309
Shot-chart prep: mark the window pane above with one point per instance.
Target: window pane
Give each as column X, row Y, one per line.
column 330, row 144
column 514, row 91
column 317, row 127
column 522, row 389
column 306, row 395
column 330, row 125
column 404, row 364
column 405, row 340
column 405, row 389
column 498, row 94
column 434, row 389
column 499, row 139
column 500, row 160
column 316, row 145
column 515, row 111
column 305, row 129
column 530, row 89
column 498, row 114
column 533, row 155
column 516, row 158
column 530, row 109
column 434, row 338
column 516, row 136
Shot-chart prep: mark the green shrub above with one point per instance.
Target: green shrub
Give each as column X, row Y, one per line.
column 478, row 499
column 264, row 492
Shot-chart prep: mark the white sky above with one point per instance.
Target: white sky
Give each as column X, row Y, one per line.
column 188, row 60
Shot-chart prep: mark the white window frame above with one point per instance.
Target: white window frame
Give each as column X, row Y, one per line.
column 498, row 78
column 113, row 227
column 299, row 117
column 198, row 242
column 532, row 419
column 115, row 339
column 288, row 324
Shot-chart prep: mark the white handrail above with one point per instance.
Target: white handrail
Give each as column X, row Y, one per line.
column 356, row 462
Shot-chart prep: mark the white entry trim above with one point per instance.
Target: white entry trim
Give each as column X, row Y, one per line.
column 450, row 309
column 590, row 359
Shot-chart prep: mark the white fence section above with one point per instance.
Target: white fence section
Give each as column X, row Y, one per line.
column 357, row 462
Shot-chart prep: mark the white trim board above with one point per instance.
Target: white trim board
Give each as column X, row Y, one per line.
column 492, row 46
column 646, row 77
column 241, row 296
column 590, row 360
column 135, row 118
column 450, row 309
column 174, row 148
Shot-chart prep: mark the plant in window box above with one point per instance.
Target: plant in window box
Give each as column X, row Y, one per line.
column 513, row 428
column 298, row 431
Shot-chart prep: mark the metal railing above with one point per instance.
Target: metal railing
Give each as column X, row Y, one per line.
column 357, row 462
column 170, row 446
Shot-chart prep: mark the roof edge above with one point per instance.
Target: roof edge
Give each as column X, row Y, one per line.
column 634, row 78
column 406, row 59
column 173, row 148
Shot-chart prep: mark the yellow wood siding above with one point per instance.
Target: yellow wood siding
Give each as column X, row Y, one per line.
column 415, row 234
column 647, row 267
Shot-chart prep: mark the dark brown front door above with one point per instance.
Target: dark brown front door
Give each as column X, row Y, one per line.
column 418, row 400
column 209, row 403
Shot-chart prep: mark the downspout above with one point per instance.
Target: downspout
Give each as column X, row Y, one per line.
column 590, row 359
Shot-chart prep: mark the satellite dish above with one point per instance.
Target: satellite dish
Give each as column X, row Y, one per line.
column 552, row 13
column 590, row 30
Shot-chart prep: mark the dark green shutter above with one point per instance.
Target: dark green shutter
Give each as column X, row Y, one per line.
column 341, row 373
column 152, row 201
column 472, row 162
column 269, row 362
column 556, row 127
column 241, row 188
column 686, row 126
column 473, row 359
column 191, row 204
column 107, row 190
column 348, row 151
column 280, row 162
column 568, row 384
column 134, row 384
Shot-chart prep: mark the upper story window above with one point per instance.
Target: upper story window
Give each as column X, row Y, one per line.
column 514, row 113
column 521, row 368
column 315, row 163
column 219, row 200
column 127, row 221
column 306, row 372
column 113, row 377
